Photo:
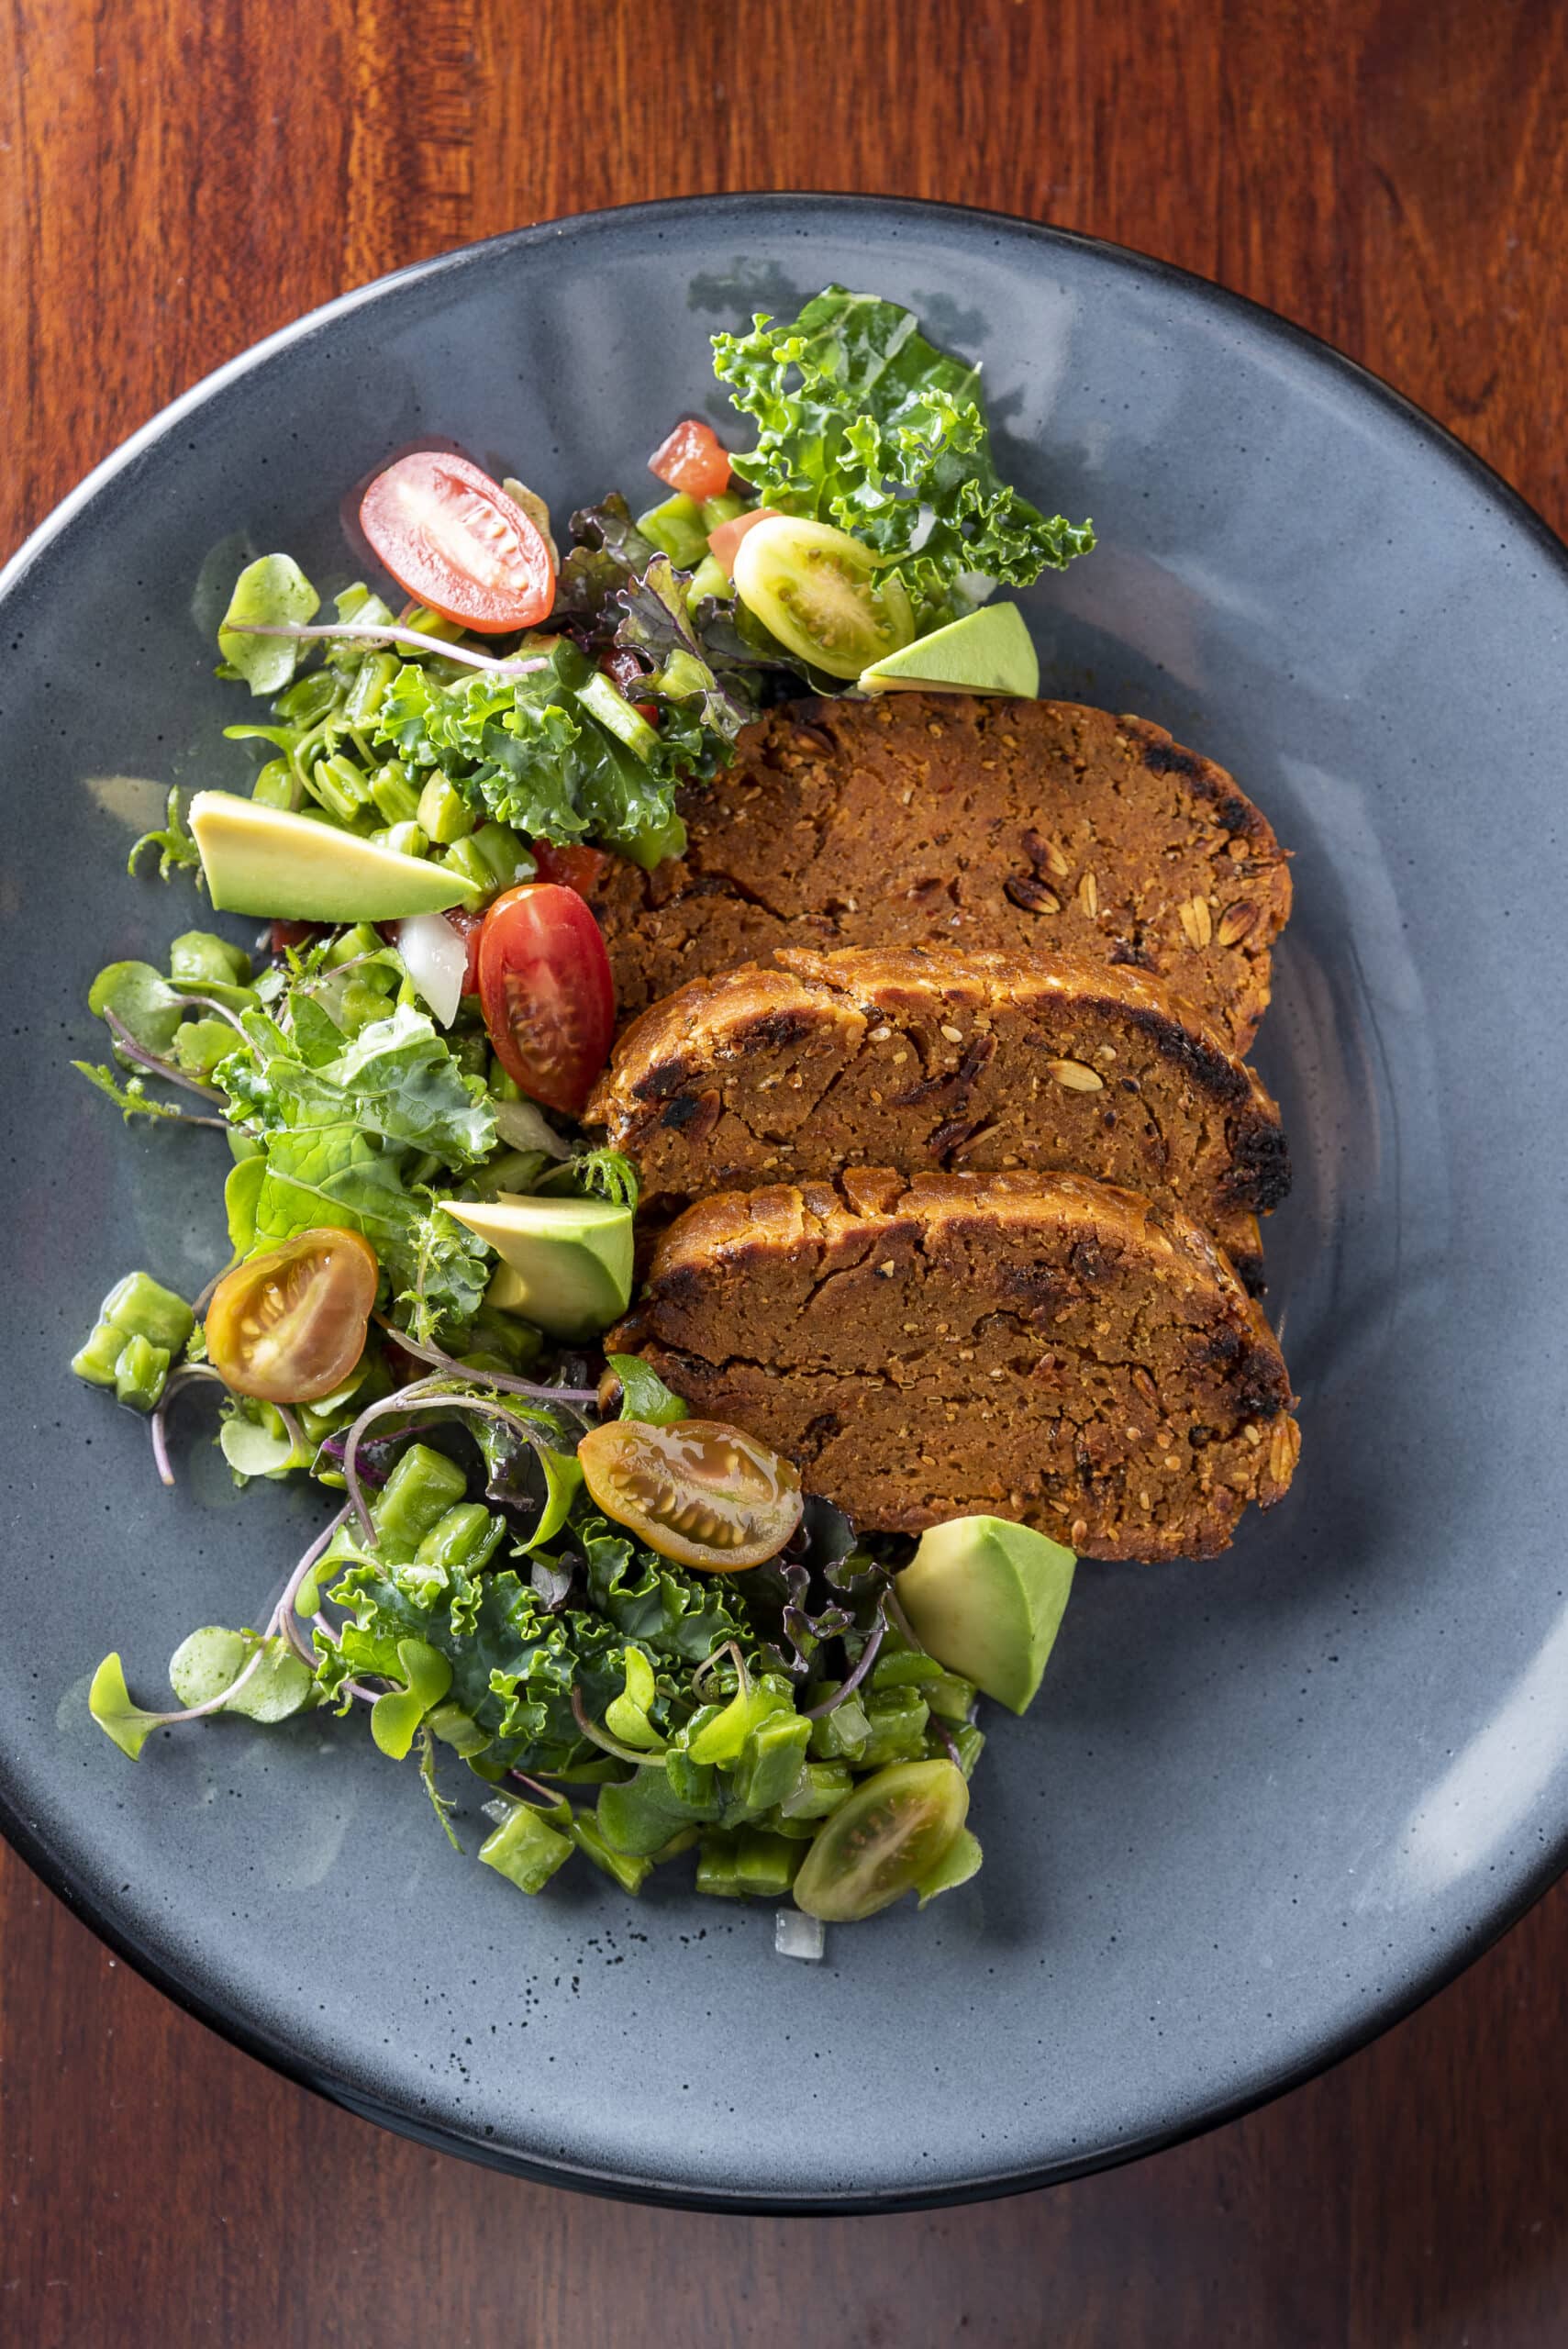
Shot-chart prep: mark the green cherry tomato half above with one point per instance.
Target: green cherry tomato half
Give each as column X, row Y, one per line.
column 879, row 1844
column 823, row 595
column 290, row 1325
column 697, row 1491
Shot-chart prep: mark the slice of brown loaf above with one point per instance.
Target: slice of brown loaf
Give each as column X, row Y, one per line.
column 1042, row 1348
column 918, row 817
column 918, row 1057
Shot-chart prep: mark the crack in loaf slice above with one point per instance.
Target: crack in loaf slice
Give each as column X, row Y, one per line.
column 919, row 1058
column 918, row 817
column 1045, row 1348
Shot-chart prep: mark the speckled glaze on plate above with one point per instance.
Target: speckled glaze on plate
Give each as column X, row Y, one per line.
column 1262, row 1806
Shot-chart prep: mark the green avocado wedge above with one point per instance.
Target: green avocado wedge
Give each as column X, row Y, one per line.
column 987, row 1599
column 261, row 860
column 565, row 1263
column 987, row 652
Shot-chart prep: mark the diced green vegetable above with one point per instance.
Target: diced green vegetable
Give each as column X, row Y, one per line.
column 421, row 1489
column 525, row 1848
column 628, row 1870
column 679, row 528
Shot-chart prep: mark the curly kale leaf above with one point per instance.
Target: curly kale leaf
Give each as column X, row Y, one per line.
column 864, row 424
column 527, row 753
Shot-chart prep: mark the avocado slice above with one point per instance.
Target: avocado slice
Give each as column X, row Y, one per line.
column 261, row 860
column 987, row 652
column 986, row 1598
column 570, row 1259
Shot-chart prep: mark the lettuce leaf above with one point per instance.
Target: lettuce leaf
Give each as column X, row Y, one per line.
column 396, row 1079
column 864, row 424
column 350, row 1138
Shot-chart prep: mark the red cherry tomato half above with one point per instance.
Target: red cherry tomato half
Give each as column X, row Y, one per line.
column 722, row 542
column 575, row 867
column 293, row 933
column 691, row 459
column 547, row 994
column 290, row 1325
column 453, row 538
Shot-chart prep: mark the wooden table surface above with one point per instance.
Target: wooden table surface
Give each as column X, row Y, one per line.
column 177, row 180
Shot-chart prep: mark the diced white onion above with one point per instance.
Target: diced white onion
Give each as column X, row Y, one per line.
column 522, row 1125
column 975, row 587
column 436, row 959
column 797, row 1935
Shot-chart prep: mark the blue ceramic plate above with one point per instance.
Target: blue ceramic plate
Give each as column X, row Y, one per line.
column 1264, row 1804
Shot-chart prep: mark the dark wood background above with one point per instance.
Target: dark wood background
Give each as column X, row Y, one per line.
column 177, row 178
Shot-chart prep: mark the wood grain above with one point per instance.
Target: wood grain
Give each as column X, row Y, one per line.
column 177, row 180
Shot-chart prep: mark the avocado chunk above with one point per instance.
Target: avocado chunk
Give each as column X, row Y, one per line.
column 570, row 1259
column 261, row 860
column 987, row 652
column 987, row 1599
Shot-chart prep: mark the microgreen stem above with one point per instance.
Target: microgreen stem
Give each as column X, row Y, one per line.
column 282, row 1613
column 211, row 1002
column 153, row 1061
column 553, row 1801
column 731, row 1648
column 351, row 632
column 596, row 1736
column 575, row 1398
column 848, row 1687
column 423, row 1396
column 189, row 1374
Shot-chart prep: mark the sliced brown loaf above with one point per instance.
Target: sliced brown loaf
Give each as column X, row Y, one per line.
column 1037, row 826
column 1048, row 1349
column 918, row 1057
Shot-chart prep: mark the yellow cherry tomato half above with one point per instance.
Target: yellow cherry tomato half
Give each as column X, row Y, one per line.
column 697, row 1491
column 290, row 1325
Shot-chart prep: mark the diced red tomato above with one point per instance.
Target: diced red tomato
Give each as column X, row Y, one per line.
column 451, row 537
column 546, row 993
column 575, row 867
column 293, row 933
column 691, row 459
column 722, row 542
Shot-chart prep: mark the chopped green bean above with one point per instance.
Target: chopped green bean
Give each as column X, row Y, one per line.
column 444, row 812
column 629, row 1871
column 140, row 1373
column 394, row 794
column 419, row 1492
column 677, row 528
column 526, row 1849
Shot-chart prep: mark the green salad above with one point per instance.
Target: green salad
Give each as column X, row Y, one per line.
column 634, row 1629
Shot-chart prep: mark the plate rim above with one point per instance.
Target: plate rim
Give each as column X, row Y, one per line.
column 1377, row 2016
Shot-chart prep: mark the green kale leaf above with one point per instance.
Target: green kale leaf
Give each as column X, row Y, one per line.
column 864, row 424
